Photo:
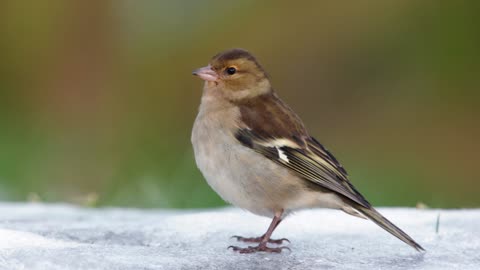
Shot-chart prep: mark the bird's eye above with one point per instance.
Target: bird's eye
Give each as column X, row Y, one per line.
column 231, row 70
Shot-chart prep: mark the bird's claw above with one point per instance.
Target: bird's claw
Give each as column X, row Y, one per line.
column 259, row 248
column 259, row 239
column 278, row 241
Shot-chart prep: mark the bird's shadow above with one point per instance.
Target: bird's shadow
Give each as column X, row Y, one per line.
column 290, row 260
column 403, row 261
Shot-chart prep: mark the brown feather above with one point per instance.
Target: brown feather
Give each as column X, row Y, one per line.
column 269, row 117
column 224, row 58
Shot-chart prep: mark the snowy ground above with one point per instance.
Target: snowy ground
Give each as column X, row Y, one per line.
column 40, row 236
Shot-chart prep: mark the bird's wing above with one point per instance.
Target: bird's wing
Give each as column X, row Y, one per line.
column 283, row 139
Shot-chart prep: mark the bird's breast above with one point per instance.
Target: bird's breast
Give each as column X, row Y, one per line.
column 238, row 174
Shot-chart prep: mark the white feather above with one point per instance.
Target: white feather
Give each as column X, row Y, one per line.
column 281, row 143
column 281, row 154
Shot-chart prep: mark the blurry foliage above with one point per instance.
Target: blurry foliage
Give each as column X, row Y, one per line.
column 97, row 97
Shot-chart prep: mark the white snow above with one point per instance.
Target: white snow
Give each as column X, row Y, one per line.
column 42, row 236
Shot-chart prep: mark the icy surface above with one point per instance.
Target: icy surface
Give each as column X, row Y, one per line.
column 39, row 236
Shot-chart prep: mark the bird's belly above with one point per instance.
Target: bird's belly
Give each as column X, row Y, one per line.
column 241, row 176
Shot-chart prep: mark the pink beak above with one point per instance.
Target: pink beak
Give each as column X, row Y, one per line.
column 206, row 73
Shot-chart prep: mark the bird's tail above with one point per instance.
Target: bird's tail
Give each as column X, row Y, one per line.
column 381, row 221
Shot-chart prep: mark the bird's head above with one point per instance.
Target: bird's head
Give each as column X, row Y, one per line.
column 236, row 73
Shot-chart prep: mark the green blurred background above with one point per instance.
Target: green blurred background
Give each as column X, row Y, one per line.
column 97, row 99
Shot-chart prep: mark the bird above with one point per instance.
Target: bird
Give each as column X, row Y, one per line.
column 255, row 152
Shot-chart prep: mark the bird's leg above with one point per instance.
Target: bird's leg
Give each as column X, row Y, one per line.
column 260, row 238
column 264, row 239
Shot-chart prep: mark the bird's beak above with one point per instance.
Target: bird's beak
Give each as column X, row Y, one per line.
column 206, row 73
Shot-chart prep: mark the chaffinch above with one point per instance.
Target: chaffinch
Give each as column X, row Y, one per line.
column 256, row 153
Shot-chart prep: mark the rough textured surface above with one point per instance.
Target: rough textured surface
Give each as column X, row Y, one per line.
column 39, row 236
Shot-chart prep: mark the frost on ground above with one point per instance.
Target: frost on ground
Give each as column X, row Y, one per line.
column 41, row 236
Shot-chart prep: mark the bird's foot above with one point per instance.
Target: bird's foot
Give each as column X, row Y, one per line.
column 259, row 239
column 259, row 248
